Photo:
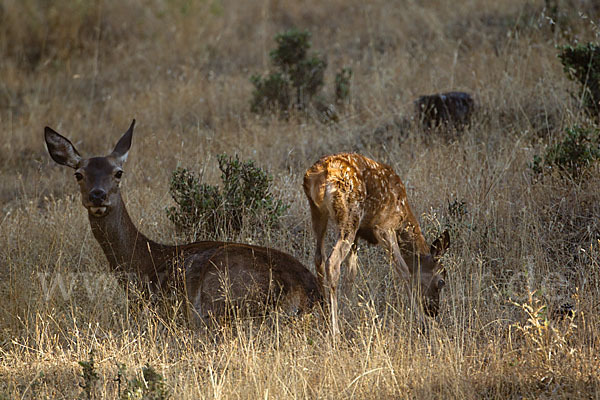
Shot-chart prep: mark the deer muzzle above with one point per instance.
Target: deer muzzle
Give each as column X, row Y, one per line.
column 97, row 199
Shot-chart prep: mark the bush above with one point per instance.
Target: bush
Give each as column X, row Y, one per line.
column 581, row 63
column 342, row 84
column 298, row 78
column 90, row 376
column 151, row 387
column 243, row 197
column 270, row 93
column 579, row 148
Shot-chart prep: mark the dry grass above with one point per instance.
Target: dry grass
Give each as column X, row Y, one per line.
column 181, row 68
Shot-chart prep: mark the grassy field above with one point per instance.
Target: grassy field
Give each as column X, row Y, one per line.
column 521, row 246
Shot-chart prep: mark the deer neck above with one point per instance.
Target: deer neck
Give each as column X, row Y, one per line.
column 412, row 243
column 125, row 247
column 413, row 256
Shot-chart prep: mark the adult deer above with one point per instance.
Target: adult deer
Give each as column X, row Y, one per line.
column 366, row 199
column 214, row 275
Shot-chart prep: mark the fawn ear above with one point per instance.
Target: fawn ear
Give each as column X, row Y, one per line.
column 440, row 245
column 122, row 148
column 61, row 149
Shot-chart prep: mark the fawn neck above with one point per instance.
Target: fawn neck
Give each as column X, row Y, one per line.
column 412, row 242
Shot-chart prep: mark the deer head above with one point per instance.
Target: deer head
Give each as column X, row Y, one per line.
column 98, row 177
column 432, row 274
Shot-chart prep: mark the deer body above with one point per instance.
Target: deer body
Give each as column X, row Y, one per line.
column 214, row 275
column 366, row 199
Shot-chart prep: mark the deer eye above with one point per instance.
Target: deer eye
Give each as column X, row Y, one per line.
column 78, row 176
column 118, row 174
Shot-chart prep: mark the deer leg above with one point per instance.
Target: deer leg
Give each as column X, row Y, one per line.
column 319, row 224
column 352, row 263
column 348, row 220
column 387, row 238
column 332, row 269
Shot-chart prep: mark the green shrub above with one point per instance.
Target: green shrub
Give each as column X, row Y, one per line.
column 304, row 73
column 581, row 63
column 244, row 196
column 270, row 93
column 342, row 84
column 572, row 155
column 297, row 79
column 295, row 70
column 90, row 376
column 292, row 48
column 151, row 387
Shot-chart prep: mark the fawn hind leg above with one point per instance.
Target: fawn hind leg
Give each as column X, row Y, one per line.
column 347, row 220
column 332, row 271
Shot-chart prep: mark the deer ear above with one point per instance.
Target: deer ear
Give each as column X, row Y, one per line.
column 122, row 148
column 440, row 245
column 61, row 149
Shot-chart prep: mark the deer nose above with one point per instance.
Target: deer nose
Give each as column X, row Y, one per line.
column 431, row 309
column 97, row 197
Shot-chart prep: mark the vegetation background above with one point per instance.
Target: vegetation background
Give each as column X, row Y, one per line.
column 522, row 245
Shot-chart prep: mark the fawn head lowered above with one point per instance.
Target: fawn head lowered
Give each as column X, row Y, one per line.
column 98, row 177
column 432, row 274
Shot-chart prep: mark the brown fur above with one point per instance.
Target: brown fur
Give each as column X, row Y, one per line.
column 215, row 275
column 367, row 199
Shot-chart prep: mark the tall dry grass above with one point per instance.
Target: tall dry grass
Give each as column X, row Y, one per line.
column 520, row 249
